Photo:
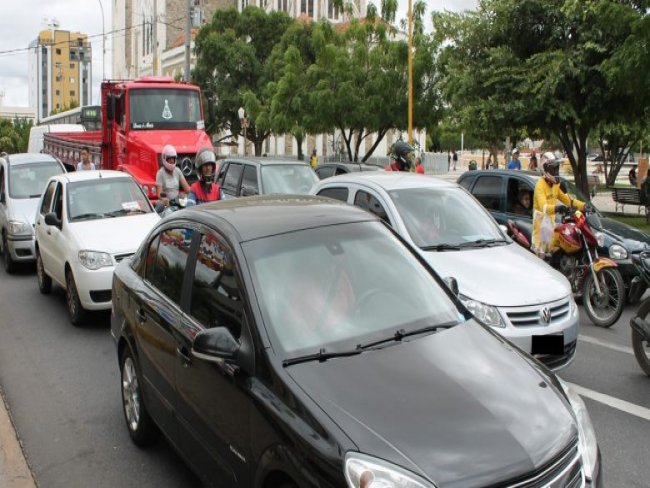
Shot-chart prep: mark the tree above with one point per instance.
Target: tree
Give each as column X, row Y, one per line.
column 542, row 65
column 14, row 135
column 232, row 52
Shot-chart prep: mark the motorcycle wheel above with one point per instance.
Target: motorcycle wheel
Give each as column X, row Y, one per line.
column 640, row 346
column 604, row 310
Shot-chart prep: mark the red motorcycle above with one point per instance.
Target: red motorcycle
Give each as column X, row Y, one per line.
column 574, row 253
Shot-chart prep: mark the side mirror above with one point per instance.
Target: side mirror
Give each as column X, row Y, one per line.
column 452, row 284
column 215, row 345
column 52, row 219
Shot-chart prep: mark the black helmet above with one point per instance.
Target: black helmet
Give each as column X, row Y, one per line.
column 203, row 157
column 403, row 154
column 550, row 164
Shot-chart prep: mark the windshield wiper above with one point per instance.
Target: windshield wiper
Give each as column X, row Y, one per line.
column 124, row 211
column 401, row 334
column 320, row 356
column 88, row 216
column 441, row 247
column 483, row 243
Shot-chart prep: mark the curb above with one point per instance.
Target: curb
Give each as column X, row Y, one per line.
column 14, row 471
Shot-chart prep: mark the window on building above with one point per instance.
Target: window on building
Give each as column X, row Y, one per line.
column 332, row 11
column 71, row 65
column 72, row 94
column 72, row 79
column 283, row 5
column 58, row 51
column 58, row 92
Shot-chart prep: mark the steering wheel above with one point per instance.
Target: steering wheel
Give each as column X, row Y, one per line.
column 365, row 298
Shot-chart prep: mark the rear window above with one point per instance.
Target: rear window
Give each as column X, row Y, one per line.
column 28, row 180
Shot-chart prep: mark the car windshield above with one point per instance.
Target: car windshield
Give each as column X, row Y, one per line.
column 105, row 198
column 165, row 109
column 28, row 180
column 338, row 286
column 287, row 179
column 444, row 216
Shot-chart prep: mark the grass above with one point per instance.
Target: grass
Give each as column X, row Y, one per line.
column 631, row 220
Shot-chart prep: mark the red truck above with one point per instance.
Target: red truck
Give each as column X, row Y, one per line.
column 138, row 118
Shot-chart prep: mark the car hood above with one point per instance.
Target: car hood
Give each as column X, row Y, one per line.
column 459, row 407
column 632, row 238
column 501, row 276
column 114, row 236
column 24, row 209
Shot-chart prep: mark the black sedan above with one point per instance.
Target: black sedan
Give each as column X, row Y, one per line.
column 498, row 191
column 326, row 170
column 298, row 342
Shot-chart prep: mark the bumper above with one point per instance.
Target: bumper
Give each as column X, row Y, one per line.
column 21, row 248
column 94, row 287
column 597, row 475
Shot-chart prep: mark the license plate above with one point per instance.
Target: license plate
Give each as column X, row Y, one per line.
column 548, row 344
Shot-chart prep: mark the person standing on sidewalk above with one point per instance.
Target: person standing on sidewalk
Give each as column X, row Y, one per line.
column 454, row 158
column 313, row 160
column 514, row 161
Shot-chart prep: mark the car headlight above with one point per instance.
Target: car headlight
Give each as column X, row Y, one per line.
column 617, row 251
column 573, row 306
column 18, row 228
column 600, row 238
column 587, row 443
column 487, row 314
column 362, row 471
column 95, row 260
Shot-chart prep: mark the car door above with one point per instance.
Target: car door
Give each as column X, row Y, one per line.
column 213, row 400
column 232, row 180
column 157, row 318
column 40, row 228
column 53, row 245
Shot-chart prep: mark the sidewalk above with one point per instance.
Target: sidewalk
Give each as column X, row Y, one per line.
column 14, row 472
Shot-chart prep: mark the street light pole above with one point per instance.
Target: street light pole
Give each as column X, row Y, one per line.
column 103, row 42
column 244, row 123
column 410, row 75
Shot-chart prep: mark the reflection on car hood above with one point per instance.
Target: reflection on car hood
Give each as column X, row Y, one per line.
column 503, row 276
column 24, row 209
column 114, row 235
column 633, row 239
column 458, row 406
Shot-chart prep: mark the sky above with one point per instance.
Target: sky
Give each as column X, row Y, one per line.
column 24, row 19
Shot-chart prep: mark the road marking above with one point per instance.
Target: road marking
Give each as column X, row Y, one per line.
column 613, row 402
column 608, row 345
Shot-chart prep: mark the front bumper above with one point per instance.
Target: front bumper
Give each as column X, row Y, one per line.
column 21, row 248
column 94, row 286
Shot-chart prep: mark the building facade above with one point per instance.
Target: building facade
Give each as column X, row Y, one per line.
column 60, row 71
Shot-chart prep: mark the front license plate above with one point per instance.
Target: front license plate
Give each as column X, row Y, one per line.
column 548, row 344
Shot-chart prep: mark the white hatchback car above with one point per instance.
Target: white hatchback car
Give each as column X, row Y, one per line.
column 502, row 284
column 87, row 222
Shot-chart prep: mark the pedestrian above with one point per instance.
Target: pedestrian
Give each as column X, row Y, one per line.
column 632, row 176
column 448, row 160
column 454, row 158
column 488, row 163
column 313, row 160
column 85, row 164
column 419, row 169
column 532, row 162
column 514, row 161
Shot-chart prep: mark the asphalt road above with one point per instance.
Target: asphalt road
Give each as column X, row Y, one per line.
column 62, row 388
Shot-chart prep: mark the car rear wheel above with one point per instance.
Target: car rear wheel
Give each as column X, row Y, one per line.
column 44, row 281
column 9, row 263
column 142, row 429
column 75, row 310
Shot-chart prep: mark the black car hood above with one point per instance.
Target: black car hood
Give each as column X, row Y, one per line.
column 458, row 407
column 632, row 238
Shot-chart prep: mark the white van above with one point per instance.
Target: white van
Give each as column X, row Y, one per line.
column 35, row 144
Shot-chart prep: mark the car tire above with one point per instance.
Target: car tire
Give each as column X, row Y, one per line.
column 142, row 429
column 633, row 299
column 9, row 263
column 76, row 312
column 44, row 281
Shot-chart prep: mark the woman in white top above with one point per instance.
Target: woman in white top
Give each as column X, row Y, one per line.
column 85, row 163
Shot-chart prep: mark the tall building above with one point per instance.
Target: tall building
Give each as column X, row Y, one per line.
column 60, row 71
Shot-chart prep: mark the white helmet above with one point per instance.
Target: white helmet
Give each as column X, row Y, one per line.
column 168, row 151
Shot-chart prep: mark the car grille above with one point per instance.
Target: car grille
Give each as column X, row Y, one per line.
column 557, row 361
column 100, row 296
column 120, row 257
column 565, row 471
column 531, row 316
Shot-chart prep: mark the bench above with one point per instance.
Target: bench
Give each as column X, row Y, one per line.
column 629, row 196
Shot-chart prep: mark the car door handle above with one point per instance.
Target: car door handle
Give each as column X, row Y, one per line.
column 184, row 356
column 139, row 313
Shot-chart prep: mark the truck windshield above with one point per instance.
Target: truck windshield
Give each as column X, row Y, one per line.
column 165, row 108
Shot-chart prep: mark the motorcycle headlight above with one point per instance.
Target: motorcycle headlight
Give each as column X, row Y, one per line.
column 587, row 443
column 362, row 471
column 600, row 238
column 487, row 314
column 18, row 228
column 95, row 260
column 617, row 251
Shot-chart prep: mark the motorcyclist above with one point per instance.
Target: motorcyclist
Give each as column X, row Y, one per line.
column 402, row 155
column 549, row 199
column 169, row 178
column 205, row 189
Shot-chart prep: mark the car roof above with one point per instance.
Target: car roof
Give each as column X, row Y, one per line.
column 527, row 173
column 75, row 176
column 262, row 162
column 352, row 166
column 389, row 180
column 28, row 158
column 261, row 216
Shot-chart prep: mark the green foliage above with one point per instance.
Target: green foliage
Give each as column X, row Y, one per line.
column 14, row 135
column 73, row 104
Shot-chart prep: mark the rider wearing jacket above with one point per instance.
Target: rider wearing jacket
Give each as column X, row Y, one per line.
column 205, row 189
column 549, row 199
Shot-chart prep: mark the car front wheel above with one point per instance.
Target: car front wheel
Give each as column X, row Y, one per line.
column 75, row 310
column 44, row 281
column 142, row 429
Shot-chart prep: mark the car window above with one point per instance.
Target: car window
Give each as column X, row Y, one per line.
column 167, row 270
column 47, row 198
column 2, row 180
column 231, row 180
column 338, row 193
column 150, row 261
column 370, row 203
column 325, row 172
column 223, row 168
column 288, row 179
column 216, row 295
column 340, row 171
column 28, row 180
column 58, row 201
column 519, row 197
column 249, row 185
column 466, row 182
column 488, row 191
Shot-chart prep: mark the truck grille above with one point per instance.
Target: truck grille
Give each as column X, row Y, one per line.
column 532, row 316
column 565, row 471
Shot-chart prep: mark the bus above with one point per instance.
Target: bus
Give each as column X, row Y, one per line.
column 89, row 116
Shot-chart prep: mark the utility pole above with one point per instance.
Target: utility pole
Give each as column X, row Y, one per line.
column 155, row 37
column 410, row 74
column 188, row 39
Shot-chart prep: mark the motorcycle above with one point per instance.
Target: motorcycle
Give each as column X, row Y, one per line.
column 174, row 204
column 593, row 278
column 640, row 323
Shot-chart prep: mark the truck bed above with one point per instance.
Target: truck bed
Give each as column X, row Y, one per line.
column 67, row 146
